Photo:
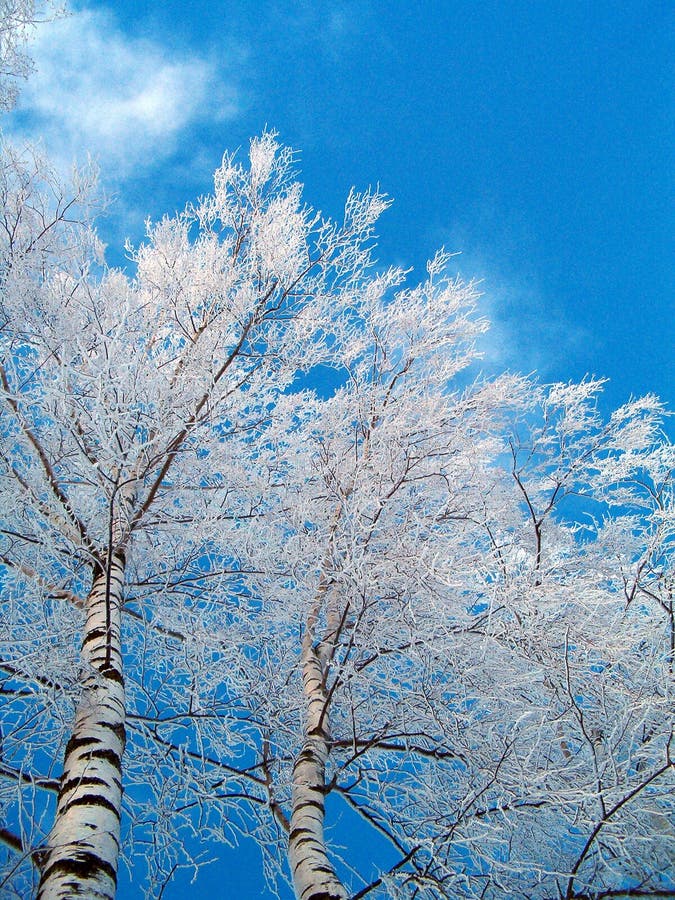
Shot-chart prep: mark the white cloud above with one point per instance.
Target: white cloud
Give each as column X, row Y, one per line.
column 528, row 331
column 531, row 329
column 126, row 100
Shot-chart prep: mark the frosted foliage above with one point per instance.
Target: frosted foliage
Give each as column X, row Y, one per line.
column 262, row 155
column 255, row 498
column 488, row 696
column 278, row 237
column 18, row 19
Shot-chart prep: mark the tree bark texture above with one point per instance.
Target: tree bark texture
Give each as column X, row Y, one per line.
column 313, row 875
column 80, row 859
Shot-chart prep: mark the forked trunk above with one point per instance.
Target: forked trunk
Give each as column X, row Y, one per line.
column 313, row 875
column 80, row 858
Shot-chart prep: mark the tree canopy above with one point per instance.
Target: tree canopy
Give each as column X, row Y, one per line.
column 273, row 552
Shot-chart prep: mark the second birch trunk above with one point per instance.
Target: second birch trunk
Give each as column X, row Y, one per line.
column 313, row 875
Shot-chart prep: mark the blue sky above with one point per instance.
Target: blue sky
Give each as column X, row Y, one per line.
column 534, row 137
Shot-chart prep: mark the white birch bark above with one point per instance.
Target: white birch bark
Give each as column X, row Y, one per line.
column 80, row 858
column 313, row 875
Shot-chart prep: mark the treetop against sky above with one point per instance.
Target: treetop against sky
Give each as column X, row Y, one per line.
column 533, row 138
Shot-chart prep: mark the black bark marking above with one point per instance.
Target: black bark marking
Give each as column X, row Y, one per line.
column 82, row 864
column 317, row 804
column 93, row 635
column 308, row 754
column 90, row 780
column 106, row 753
column 322, row 895
column 12, row 840
column 296, row 832
column 319, row 732
column 300, row 842
column 112, row 674
column 117, row 729
column 91, row 800
column 75, row 743
column 120, row 732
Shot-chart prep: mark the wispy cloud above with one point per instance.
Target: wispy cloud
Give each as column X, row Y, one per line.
column 531, row 330
column 528, row 331
column 329, row 29
column 126, row 100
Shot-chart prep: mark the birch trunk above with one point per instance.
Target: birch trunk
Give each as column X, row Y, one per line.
column 80, row 858
column 313, row 875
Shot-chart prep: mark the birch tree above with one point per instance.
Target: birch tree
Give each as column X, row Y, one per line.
column 113, row 392
column 472, row 641
column 440, row 629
